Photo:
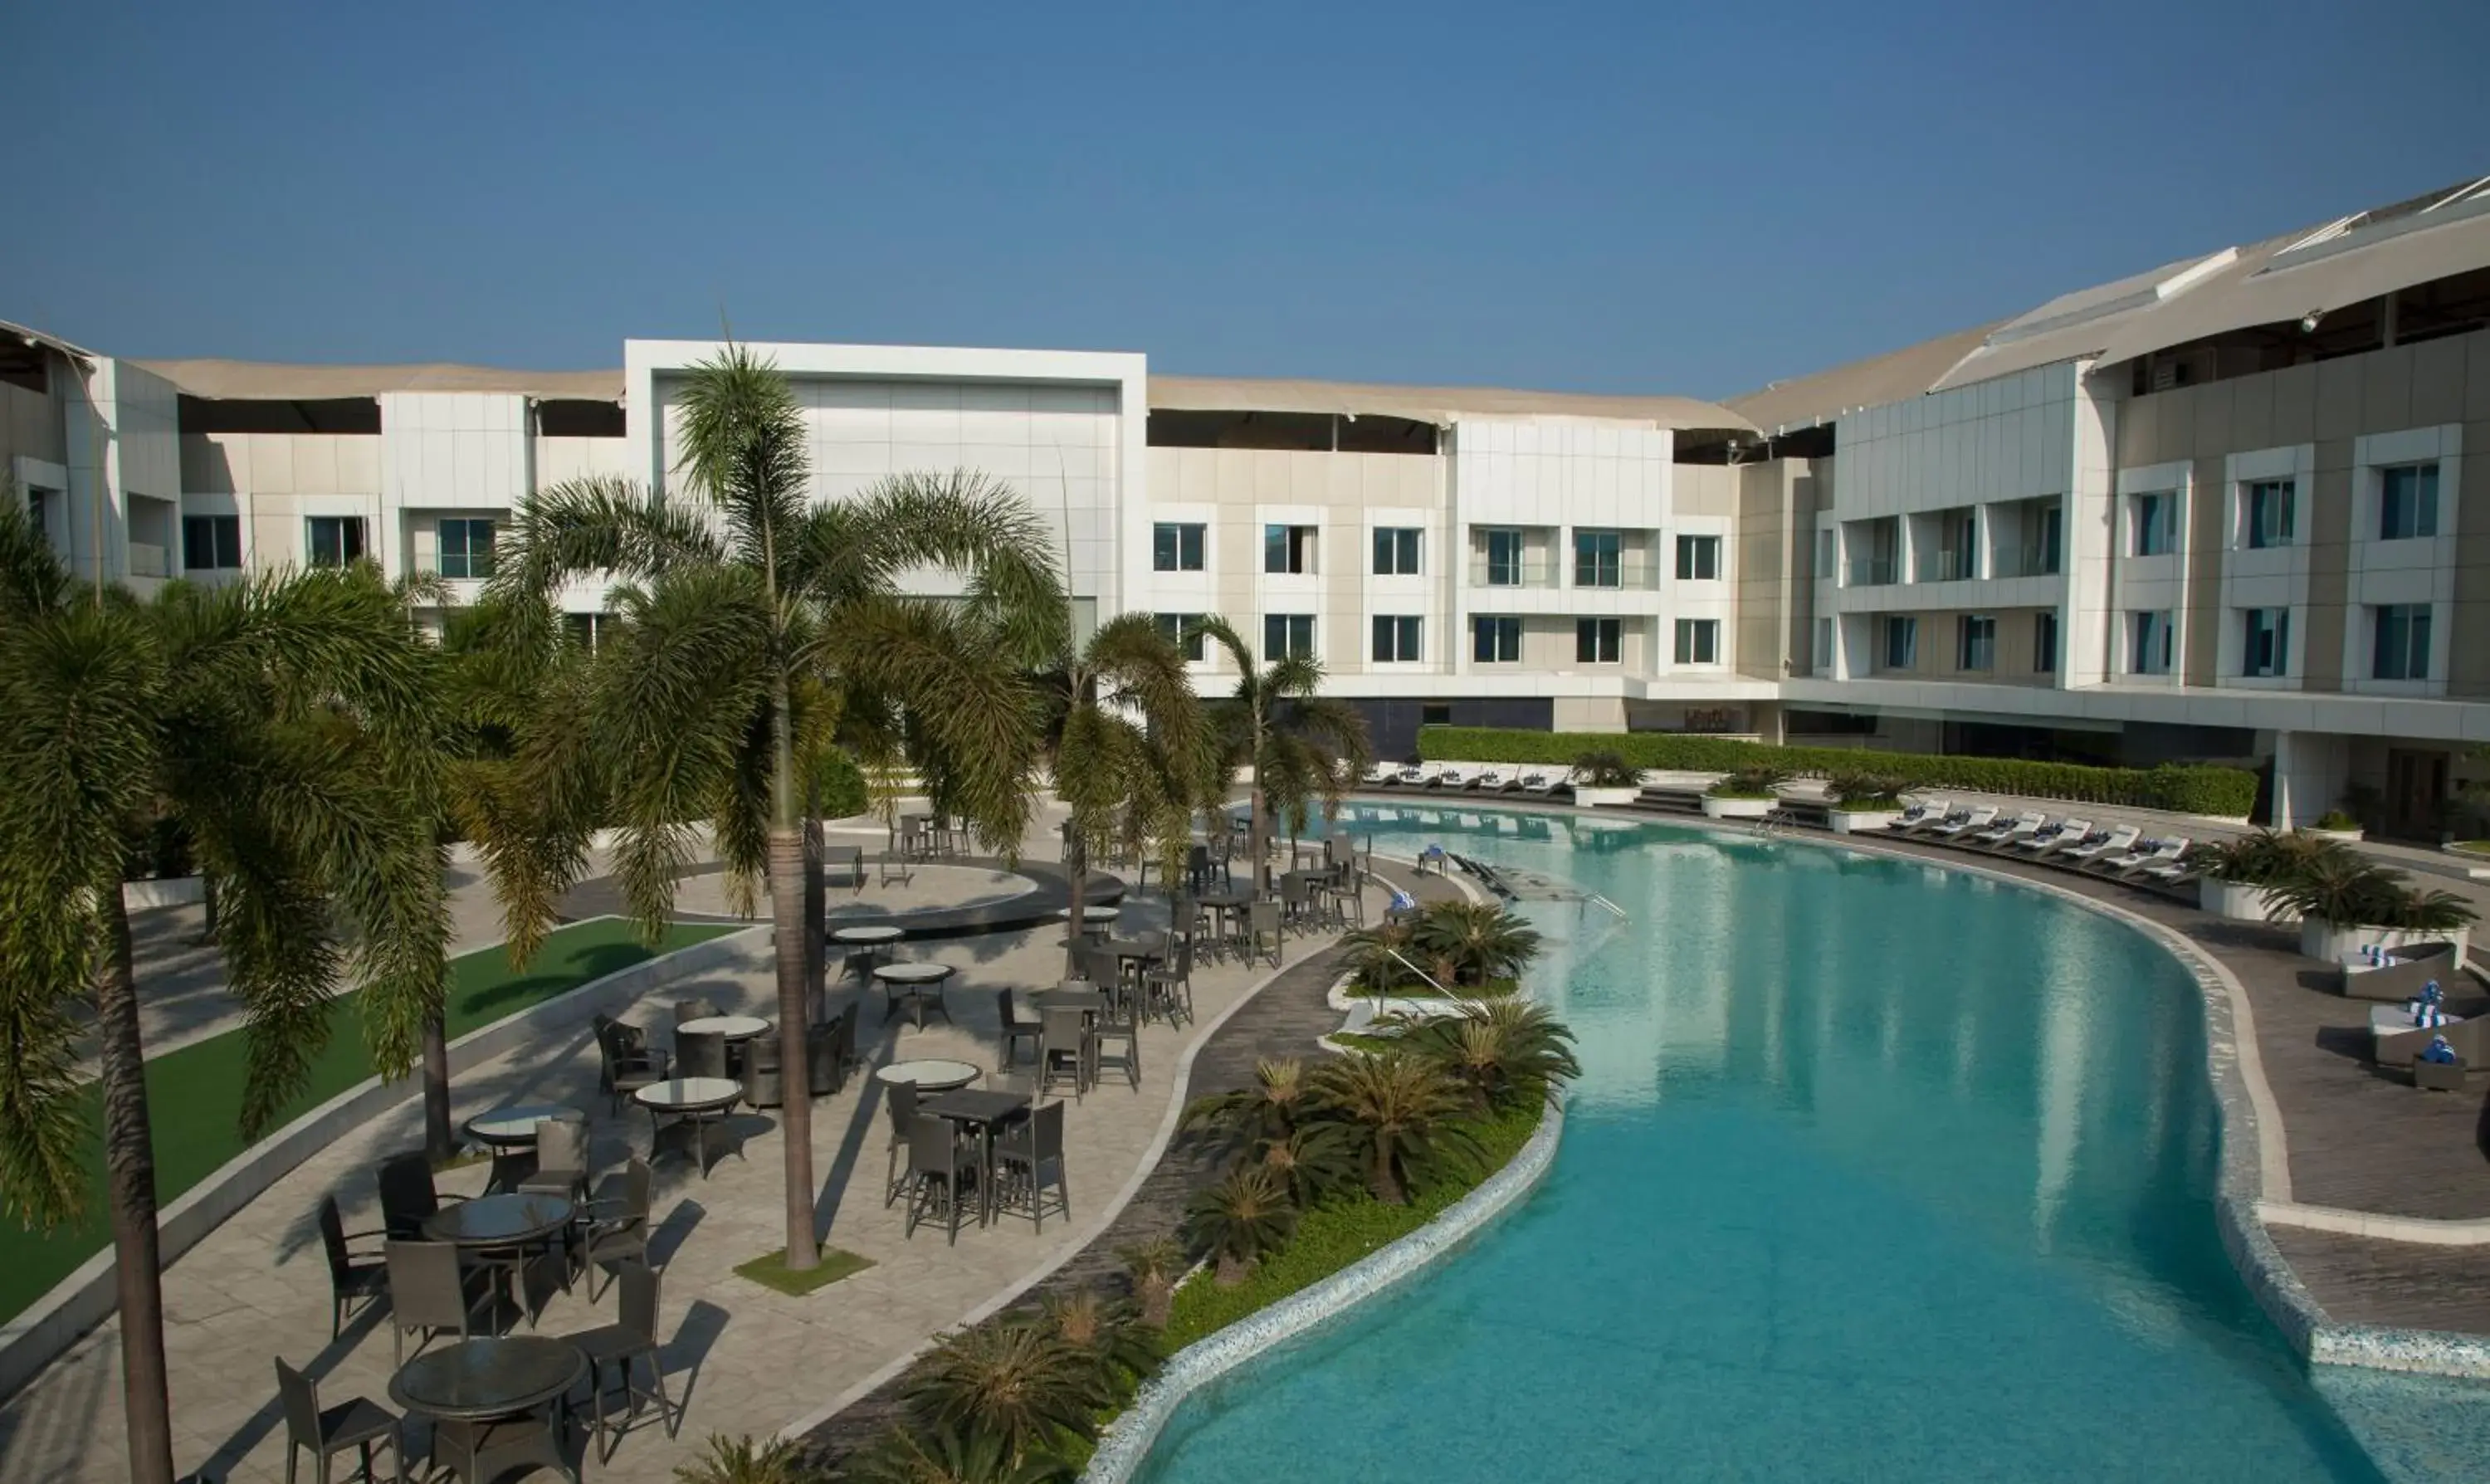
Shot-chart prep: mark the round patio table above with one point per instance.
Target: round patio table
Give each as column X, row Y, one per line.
column 869, row 935
column 494, row 1376
column 499, row 1221
column 1099, row 920
column 914, row 985
column 930, row 1075
column 697, row 1101
column 508, row 1131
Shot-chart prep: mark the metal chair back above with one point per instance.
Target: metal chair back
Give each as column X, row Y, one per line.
column 333, row 1239
column 1046, row 1131
column 299, row 1398
column 561, row 1143
column 699, row 1053
column 408, row 1199
column 932, row 1150
column 639, row 1308
column 902, row 1110
column 425, row 1288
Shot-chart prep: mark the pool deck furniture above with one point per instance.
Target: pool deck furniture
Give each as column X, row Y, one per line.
column 501, row 1232
column 2439, row 1076
column 2401, row 981
column 869, row 945
column 736, row 1030
column 979, row 1113
column 2396, row 1040
column 1099, row 921
column 913, row 985
column 692, row 1102
column 482, row 1393
column 929, row 1075
column 510, row 1134
column 360, row 1424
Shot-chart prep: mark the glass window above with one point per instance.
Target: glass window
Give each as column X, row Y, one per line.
column 1698, row 559
column 2402, row 644
column 1698, row 642
column 1434, row 714
column 209, row 542
column 1596, row 558
column 1824, row 553
column 1396, row 639
column 1180, row 632
column 2152, row 523
column 1396, row 551
column 2040, row 557
column 586, row 629
column 2044, row 644
column 1287, row 548
column 1287, row 635
column 2407, row 502
column 1503, row 558
column 2268, row 647
column 466, row 548
column 1175, row 547
column 1495, row 641
column 2149, row 643
column 1975, row 641
column 1823, row 655
column 1901, row 642
column 335, row 539
column 1598, row 641
column 2269, row 513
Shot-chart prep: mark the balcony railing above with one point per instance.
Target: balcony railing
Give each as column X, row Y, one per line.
column 1627, row 574
column 2028, row 562
column 1871, row 572
column 1951, row 567
column 146, row 560
column 1527, row 572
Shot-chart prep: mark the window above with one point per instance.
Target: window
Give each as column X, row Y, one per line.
column 1596, row 562
column 2044, row 644
column 1823, row 555
column 1179, row 632
column 2407, row 503
column 2269, row 513
column 1396, row 639
column 1598, row 641
column 1958, row 542
column 1495, row 641
column 335, row 539
column 1503, row 558
column 1287, row 635
column 1901, row 642
column 1823, row 655
column 211, row 542
column 1698, row 559
column 584, row 627
column 467, row 548
column 2148, row 650
column 1434, row 714
column 2268, row 647
column 2152, row 523
column 1698, row 641
column 1175, row 547
column 2402, row 644
column 1974, row 645
column 1287, row 548
column 2040, row 550
column 1396, row 551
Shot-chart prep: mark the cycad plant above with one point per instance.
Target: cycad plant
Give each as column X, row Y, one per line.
column 1402, row 1113
column 1013, row 1380
column 741, row 1460
column 1127, row 748
column 1244, row 1120
column 1311, row 1162
column 1480, row 941
column 1238, row 1220
column 1505, row 1051
column 287, row 725
column 1304, row 748
column 753, row 628
column 1106, row 1331
column 918, row 1455
column 1153, row 1269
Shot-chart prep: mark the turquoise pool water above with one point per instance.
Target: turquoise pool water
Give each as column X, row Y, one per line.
column 1876, row 1173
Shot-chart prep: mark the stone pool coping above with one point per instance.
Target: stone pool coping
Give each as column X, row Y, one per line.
column 1126, row 1444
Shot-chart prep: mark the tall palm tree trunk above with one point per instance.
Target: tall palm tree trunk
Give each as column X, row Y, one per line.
column 1258, row 831
column 787, row 904
column 816, row 905
column 440, row 1146
column 130, row 1164
column 1076, row 869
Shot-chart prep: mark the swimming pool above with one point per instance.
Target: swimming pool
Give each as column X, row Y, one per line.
column 1876, row 1172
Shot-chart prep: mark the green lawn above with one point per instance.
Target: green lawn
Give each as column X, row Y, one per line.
column 194, row 1094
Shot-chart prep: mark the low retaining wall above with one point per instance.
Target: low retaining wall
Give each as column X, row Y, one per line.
column 1127, row 1442
column 86, row 1298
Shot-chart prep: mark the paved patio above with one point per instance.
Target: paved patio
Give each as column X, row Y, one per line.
column 742, row 1357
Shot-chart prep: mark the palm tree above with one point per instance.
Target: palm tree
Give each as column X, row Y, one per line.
column 287, row 725
column 753, row 631
column 1246, row 1119
column 1238, row 1220
column 1302, row 745
column 1481, row 942
column 1311, row 1162
column 1153, row 1266
column 743, row 1461
column 1126, row 748
column 1504, row 1051
column 1015, row 1382
column 911, row 1455
column 1400, row 1111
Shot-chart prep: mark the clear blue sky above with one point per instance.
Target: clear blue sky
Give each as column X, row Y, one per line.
column 1622, row 197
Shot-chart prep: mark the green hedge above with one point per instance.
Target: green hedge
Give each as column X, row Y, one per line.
column 840, row 785
column 2185, row 788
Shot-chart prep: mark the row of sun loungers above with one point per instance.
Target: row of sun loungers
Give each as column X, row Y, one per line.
column 1448, row 778
column 2118, row 851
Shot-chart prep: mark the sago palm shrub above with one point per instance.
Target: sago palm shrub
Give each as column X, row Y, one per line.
column 1152, row 1267
column 1106, row 1331
column 1505, row 1052
column 1402, row 1114
column 1012, row 1379
column 918, row 1455
column 742, row 1460
column 1242, row 1121
column 1238, row 1220
column 1480, row 941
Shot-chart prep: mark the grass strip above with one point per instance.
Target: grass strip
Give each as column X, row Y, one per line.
column 194, row 1093
column 770, row 1271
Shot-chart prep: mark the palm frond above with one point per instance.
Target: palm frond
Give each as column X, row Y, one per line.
column 745, row 449
column 32, row 580
column 597, row 524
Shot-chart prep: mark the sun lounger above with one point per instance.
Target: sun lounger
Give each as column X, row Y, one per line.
column 1411, row 776
column 1955, row 828
column 1540, row 782
column 1379, row 775
column 2120, row 839
column 2054, row 838
column 2026, row 822
column 2166, row 850
column 1915, row 815
column 1487, row 782
column 1938, row 821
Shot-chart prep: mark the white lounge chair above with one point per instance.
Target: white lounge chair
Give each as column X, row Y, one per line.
column 1489, row 782
column 2118, row 841
column 2029, row 822
column 1541, row 783
column 2174, row 872
column 1938, row 819
column 1955, row 828
column 2147, row 853
column 1379, row 775
column 1912, row 818
column 1411, row 776
column 2053, row 837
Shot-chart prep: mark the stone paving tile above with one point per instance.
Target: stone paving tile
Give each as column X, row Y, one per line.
column 747, row 1360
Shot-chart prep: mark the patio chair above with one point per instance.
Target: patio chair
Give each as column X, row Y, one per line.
column 698, row 1007
column 350, row 1282
column 617, row 1229
column 430, row 1290
column 2048, row 842
column 408, row 1196
column 825, row 1067
column 1025, row 1154
column 2147, row 853
column 763, row 1078
column 699, row 1053
column 1939, row 812
column 618, row 1348
column 625, row 1062
column 1167, row 985
column 360, row 1424
column 483, row 1452
column 900, row 1103
column 1116, row 1038
column 2115, row 841
column 1956, row 829
column 1064, row 1050
column 1196, row 867
column 1223, row 853
column 2029, row 822
column 1297, row 901
column 939, row 1175
column 1262, row 924
column 562, row 1160
column 1014, row 1029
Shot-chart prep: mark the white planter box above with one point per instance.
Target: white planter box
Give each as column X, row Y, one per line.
column 1863, row 821
column 2328, row 944
column 1738, row 808
column 2338, row 836
column 2238, row 901
column 1584, row 794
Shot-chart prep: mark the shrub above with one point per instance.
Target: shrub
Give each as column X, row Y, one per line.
column 2336, row 819
column 1238, row 1220
column 838, row 784
column 1477, row 941
column 1754, row 780
column 1010, row 1380
column 743, row 1461
column 1504, row 1051
column 1153, row 1266
column 1863, row 790
column 2264, row 858
column 2188, row 788
column 1596, row 769
column 1402, row 1113
column 2346, row 889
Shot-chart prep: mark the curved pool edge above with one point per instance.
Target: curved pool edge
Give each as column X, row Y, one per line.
column 1127, row 1442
